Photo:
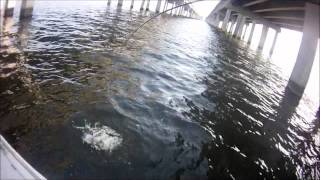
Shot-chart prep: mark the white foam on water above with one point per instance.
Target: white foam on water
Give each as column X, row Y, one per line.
column 100, row 137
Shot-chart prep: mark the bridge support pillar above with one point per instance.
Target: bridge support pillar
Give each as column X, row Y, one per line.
column 263, row 37
column 243, row 21
column 132, row 3
column 158, row 6
column 251, row 32
column 226, row 20
column 165, row 5
column 238, row 21
column 175, row 11
column 120, row 2
column 181, row 10
column 109, row 2
column 232, row 25
column 142, row 5
column 217, row 20
column 245, row 31
column 302, row 68
column 8, row 11
column 26, row 8
column 239, row 26
column 273, row 43
column 148, row 4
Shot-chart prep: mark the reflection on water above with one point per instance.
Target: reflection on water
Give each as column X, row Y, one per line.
column 179, row 100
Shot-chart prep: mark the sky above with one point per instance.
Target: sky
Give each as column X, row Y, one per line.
column 203, row 8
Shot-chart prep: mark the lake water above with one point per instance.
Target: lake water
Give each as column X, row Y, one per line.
column 179, row 99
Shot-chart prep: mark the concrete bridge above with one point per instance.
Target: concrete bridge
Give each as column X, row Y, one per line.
column 27, row 7
column 186, row 11
column 299, row 15
column 7, row 11
column 183, row 10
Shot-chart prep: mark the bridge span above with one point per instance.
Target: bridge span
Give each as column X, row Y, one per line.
column 299, row 15
column 27, row 7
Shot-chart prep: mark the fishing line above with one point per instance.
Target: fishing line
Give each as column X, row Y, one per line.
column 151, row 18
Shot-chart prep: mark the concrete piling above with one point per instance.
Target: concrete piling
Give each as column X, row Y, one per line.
column 226, row 20
column 158, row 6
column 142, row 5
column 263, row 37
column 310, row 38
column 273, row 43
column 251, row 32
column 26, row 8
column 148, row 4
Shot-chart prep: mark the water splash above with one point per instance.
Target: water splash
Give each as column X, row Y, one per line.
column 100, row 137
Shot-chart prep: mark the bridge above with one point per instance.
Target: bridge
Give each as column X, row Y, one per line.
column 298, row 15
column 182, row 11
column 27, row 7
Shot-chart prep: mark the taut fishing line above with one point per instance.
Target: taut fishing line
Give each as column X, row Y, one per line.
column 151, row 18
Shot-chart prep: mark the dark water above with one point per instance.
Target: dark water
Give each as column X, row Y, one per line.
column 180, row 100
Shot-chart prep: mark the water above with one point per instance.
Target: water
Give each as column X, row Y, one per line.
column 179, row 100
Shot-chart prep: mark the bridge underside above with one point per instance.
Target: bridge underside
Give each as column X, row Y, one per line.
column 298, row 15
column 286, row 14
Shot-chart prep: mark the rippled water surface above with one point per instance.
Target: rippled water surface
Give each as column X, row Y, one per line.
column 179, row 99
